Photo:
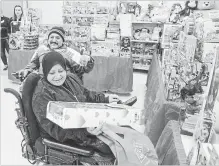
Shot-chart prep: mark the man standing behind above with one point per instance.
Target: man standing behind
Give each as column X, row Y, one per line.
column 76, row 63
column 5, row 30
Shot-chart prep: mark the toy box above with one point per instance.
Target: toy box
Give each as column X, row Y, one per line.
column 82, row 115
column 105, row 48
column 125, row 47
column 170, row 34
column 186, row 47
column 211, row 31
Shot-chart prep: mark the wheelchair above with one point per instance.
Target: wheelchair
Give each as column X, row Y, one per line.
column 39, row 150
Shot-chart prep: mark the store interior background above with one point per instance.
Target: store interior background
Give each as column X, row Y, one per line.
column 55, row 8
column 10, row 135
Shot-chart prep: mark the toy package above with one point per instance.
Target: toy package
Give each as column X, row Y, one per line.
column 84, row 45
column 186, row 48
column 82, row 21
column 145, row 31
column 159, row 14
column 189, row 26
column 15, row 42
column 83, row 115
column 214, row 15
column 211, row 31
column 143, row 49
column 105, row 48
column 81, row 33
column 98, row 32
column 209, row 52
column 83, row 7
column 204, row 130
column 127, row 7
column 102, row 19
column 125, row 47
column 34, row 15
column 170, row 34
column 67, row 10
column 67, row 19
column 141, row 63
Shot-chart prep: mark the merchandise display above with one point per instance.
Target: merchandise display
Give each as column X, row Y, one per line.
column 88, row 21
column 188, row 66
column 174, row 44
column 25, row 33
column 144, row 41
column 15, row 42
column 170, row 35
column 204, row 154
column 31, row 42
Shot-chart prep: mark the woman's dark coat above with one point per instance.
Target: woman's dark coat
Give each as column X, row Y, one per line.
column 71, row 91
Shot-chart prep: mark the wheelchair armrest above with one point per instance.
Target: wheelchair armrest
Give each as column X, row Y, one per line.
column 73, row 149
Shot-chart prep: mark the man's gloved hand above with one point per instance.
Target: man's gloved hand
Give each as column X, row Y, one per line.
column 23, row 73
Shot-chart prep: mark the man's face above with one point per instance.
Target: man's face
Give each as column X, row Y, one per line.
column 55, row 41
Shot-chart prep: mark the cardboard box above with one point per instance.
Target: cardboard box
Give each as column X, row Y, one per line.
column 82, row 115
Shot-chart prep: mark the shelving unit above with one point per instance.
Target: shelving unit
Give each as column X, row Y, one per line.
column 138, row 67
column 146, row 22
column 142, row 51
column 144, row 41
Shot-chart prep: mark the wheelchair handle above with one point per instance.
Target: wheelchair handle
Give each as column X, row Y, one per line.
column 14, row 92
column 16, row 75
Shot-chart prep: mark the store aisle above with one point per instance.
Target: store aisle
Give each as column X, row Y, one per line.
column 11, row 136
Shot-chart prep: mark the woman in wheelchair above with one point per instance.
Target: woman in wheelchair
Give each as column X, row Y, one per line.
column 56, row 85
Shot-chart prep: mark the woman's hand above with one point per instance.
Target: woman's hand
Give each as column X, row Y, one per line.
column 95, row 130
column 113, row 98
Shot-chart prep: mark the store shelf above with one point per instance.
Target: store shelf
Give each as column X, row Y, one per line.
column 146, row 68
column 142, row 56
column 144, row 41
column 85, row 15
column 145, row 22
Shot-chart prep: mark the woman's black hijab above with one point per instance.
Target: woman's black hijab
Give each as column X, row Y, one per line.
column 51, row 59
